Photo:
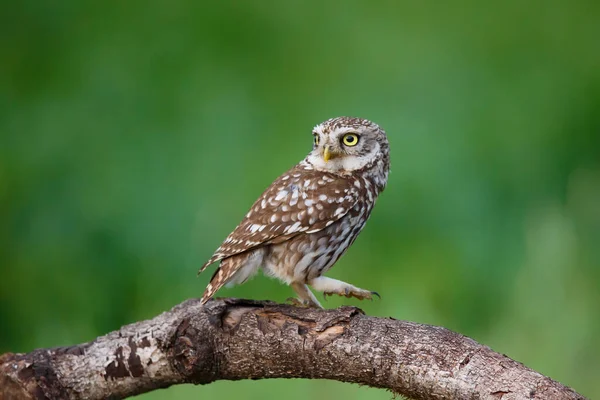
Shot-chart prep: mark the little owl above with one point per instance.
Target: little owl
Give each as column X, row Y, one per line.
column 303, row 223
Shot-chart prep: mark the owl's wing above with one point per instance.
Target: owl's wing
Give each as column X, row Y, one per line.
column 300, row 201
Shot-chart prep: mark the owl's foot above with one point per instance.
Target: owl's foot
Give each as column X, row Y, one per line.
column 331, row 286
column 360, row 294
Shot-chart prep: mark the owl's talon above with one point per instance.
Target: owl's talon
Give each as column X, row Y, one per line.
column 363, row 294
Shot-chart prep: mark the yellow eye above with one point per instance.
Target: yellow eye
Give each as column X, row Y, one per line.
column 350, row 139
column 316, row 140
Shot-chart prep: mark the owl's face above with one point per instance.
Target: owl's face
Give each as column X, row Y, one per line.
column 347, row 144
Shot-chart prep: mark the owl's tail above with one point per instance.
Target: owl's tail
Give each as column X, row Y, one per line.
column 222, row 275
column 215, row 284
column 213, row 259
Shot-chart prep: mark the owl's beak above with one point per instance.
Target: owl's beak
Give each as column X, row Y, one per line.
column 326, row 154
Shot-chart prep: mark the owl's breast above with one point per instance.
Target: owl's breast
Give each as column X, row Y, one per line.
column 309, row 255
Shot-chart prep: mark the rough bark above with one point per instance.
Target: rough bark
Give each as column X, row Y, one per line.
column 239, row 339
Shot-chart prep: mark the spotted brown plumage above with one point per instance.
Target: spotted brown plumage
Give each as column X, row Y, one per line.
column 309, row 216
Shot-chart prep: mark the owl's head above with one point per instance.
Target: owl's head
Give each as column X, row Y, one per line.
column 347, row 144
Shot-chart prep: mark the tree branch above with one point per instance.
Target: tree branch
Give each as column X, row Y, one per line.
column 239, row 339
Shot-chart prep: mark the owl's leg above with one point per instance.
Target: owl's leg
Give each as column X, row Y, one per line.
column 307, row 298
column 331, row 286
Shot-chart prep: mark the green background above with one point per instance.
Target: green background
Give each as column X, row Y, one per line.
column 135, row 135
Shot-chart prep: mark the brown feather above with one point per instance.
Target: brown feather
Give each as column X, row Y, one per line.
column 290, row 218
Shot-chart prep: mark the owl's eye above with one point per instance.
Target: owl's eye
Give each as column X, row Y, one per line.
column 316, row 140
column 350, row 139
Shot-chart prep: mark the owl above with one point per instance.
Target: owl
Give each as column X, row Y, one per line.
column 309, row 216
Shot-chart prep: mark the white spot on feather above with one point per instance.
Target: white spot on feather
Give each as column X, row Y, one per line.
column 294, row 199
column 256, row 227
column 292, row 228
column 281, row 195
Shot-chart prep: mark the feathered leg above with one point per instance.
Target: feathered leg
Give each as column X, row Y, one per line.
column 307, row 298
column 330, row 286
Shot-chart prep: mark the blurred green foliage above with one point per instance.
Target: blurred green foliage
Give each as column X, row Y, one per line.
column 135, row 135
